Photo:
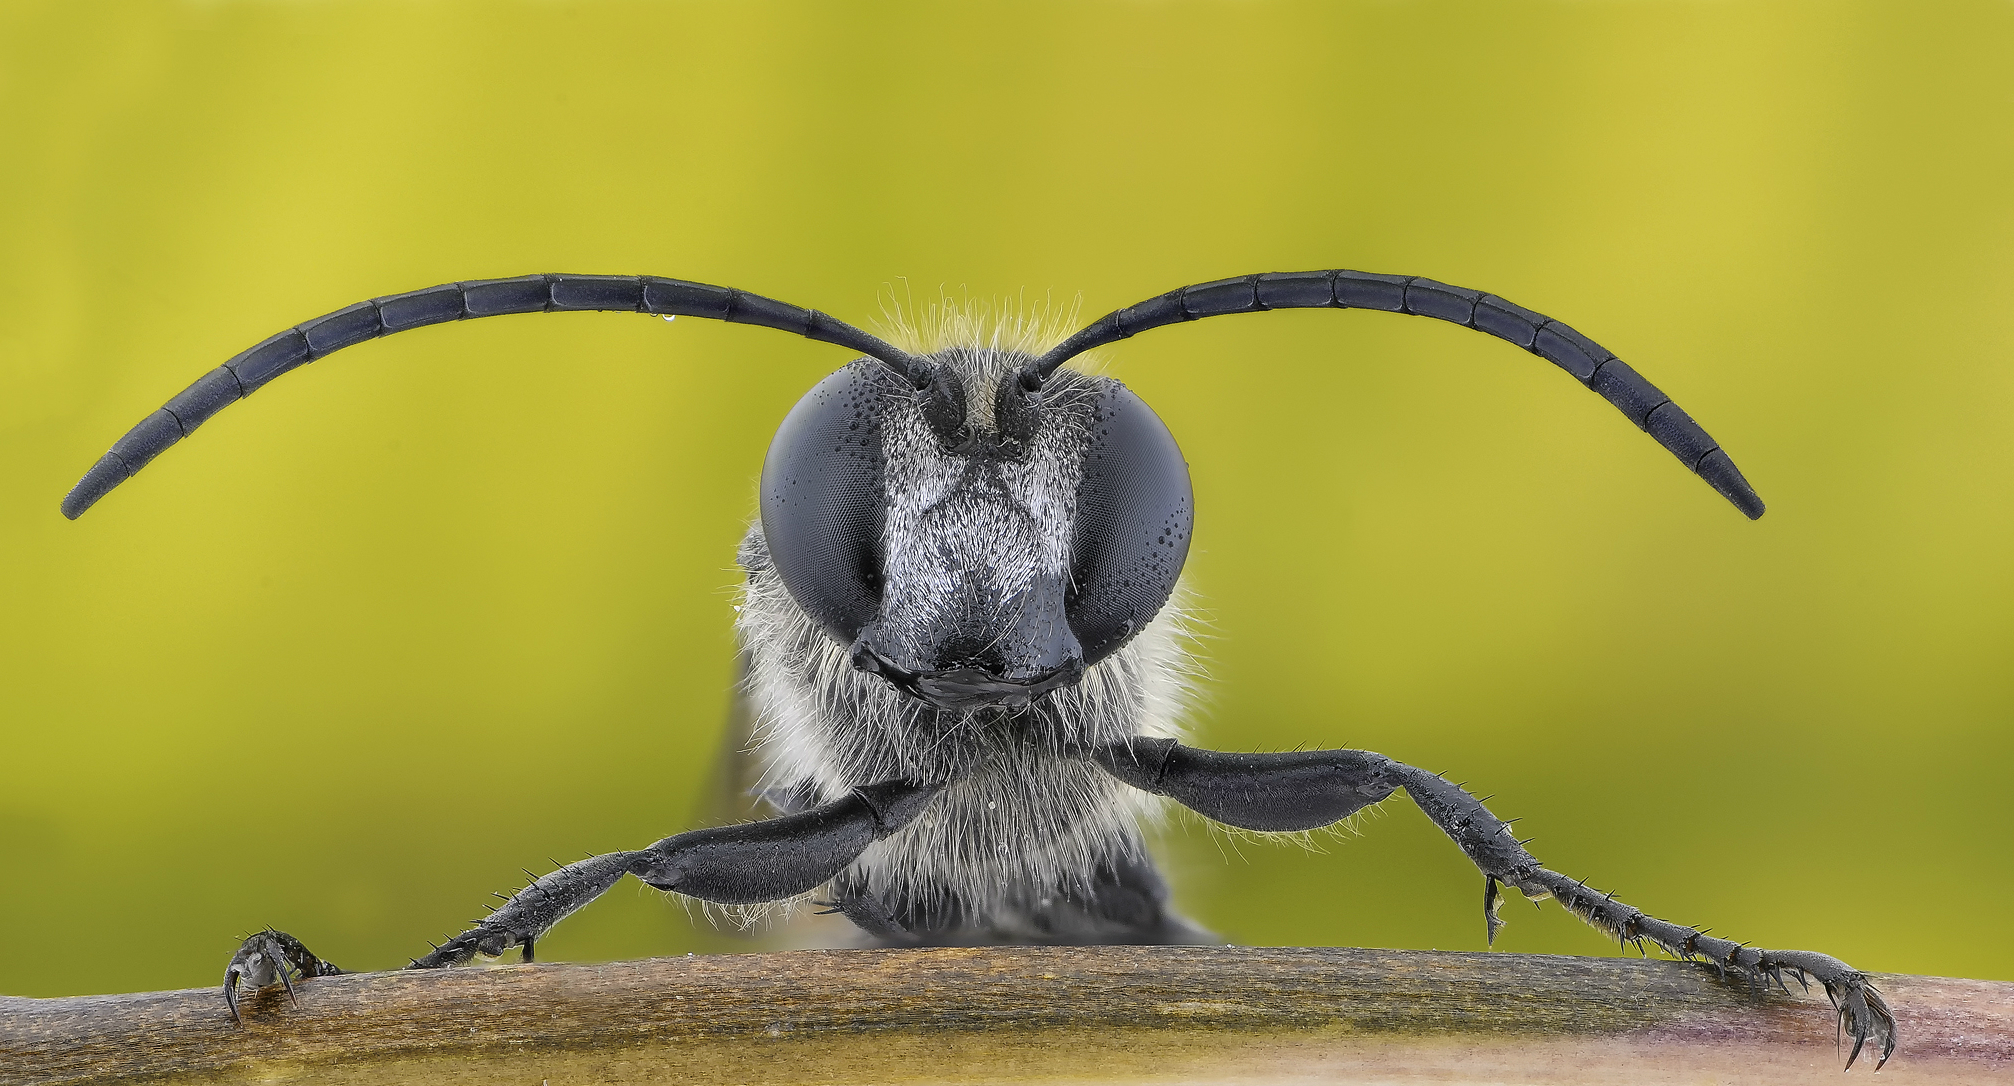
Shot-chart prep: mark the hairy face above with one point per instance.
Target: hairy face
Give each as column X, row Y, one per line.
column 981, row 555
column 976, row 558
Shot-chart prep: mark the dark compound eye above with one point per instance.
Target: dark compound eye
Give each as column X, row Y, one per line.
column 823, row 503
column 1134, row 514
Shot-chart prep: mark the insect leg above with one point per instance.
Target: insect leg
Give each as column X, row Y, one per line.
column 271, row 956
column 773, row 860
column 1304, row 790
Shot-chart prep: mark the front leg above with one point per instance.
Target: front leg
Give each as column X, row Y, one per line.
column 754, row 862
column 271, row 956
column 1305, row 790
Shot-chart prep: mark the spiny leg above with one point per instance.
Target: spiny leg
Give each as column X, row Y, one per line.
column 772, row 860
column 1862, row 1011
column 1304, row 790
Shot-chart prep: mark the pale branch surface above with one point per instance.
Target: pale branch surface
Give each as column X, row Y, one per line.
column 1226, row 1014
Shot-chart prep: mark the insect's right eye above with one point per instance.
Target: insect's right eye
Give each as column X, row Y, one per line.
column 1135, row 511
column 823, row 499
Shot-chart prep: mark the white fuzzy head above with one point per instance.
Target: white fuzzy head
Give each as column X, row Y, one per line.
column 979, row 557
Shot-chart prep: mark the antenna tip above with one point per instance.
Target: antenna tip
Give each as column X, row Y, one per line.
column 1721, row 474
column 107, row 473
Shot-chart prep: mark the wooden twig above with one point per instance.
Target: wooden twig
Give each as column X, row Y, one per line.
column 1219, row 1014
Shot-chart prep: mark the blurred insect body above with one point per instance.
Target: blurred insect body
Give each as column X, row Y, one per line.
column 960, row 641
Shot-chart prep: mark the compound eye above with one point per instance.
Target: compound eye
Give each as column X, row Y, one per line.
column 1134, row 514
column 823, row 499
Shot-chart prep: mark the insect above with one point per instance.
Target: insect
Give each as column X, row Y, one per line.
column 960, row 643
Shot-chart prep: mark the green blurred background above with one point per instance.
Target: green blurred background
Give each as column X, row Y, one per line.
column 457, row 602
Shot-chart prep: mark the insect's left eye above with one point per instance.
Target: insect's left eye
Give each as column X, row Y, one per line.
column 1134, row 514
column 822, row 499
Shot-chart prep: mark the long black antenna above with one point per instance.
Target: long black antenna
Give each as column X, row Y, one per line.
column 304, row 343
column 1589, row 362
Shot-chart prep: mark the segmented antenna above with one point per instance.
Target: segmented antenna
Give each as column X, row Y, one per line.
column 304, row 343
column 1589, row 362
